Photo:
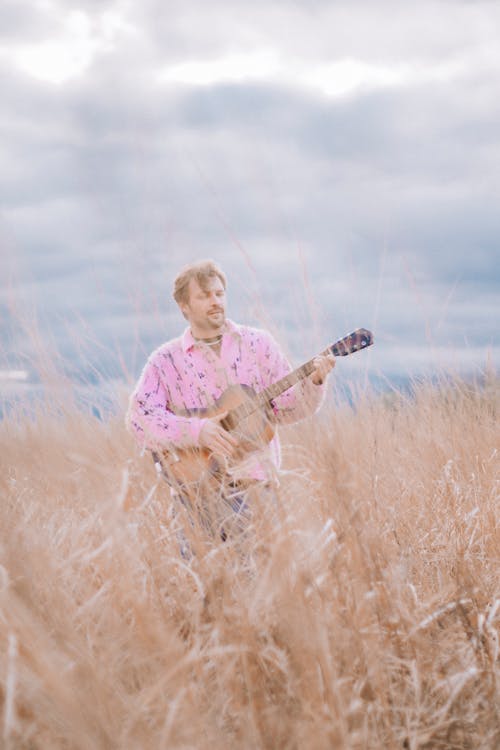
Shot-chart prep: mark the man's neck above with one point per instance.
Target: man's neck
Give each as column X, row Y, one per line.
column 202, row 334
column 208, row 339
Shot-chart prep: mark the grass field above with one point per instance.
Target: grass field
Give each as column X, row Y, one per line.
column 366, row 616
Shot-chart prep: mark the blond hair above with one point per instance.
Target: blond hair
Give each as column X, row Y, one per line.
column 202, row 272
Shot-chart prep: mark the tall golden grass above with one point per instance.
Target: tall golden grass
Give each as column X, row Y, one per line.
column 366, row 616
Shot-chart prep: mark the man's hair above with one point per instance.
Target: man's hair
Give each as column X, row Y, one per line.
column 202, row 272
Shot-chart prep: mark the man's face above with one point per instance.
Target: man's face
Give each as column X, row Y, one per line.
column 206, row 307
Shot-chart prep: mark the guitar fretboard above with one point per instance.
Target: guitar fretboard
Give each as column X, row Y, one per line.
column 361, row 338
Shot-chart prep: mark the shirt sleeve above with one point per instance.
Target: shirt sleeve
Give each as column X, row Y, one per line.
column 299, row 401
column 152, row 422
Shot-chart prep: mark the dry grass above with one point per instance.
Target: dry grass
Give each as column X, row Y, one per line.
column 368, row 618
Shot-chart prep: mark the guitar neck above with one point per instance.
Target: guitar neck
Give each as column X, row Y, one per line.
column 358, row 339
column 361, row 338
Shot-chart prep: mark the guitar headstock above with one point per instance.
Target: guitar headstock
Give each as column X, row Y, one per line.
column 361, row 338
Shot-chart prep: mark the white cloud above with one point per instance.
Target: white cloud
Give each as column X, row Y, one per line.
column 77, row 40
column 343, row 76
column 332, row 78
column 144, row 160
column 258, row 65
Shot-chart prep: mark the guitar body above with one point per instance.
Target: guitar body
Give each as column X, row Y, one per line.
column 196, row 472
column 190, row 468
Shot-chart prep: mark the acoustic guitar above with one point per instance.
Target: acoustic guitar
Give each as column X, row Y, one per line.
column 248, row 418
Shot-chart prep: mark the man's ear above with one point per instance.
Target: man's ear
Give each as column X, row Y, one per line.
column 183, row 308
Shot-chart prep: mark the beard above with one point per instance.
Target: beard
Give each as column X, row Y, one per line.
column 216, row 319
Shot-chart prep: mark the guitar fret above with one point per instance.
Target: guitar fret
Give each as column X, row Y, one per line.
column 307, row 368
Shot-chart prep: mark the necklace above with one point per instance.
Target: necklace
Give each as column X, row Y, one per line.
column 210, row 342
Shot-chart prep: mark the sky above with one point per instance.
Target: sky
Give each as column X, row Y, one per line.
column 340, row 160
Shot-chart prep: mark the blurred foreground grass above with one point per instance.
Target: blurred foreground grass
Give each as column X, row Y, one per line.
column 368, row 617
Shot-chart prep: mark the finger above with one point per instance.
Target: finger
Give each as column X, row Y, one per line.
column 220, row 417
column 227, row 439
column 322, row 367
column 223, row 448
column 325, row 364
column 220, row 439
column 319, row 366
column 327, row 361
column 223, row 431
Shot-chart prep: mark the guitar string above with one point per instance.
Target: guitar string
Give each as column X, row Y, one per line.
column 347, row 345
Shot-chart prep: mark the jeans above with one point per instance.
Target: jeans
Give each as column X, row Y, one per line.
column 226, row 517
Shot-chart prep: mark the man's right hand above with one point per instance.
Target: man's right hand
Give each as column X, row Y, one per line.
column 218, row 440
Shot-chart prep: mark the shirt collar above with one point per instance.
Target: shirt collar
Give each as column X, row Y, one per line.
column 188, row 340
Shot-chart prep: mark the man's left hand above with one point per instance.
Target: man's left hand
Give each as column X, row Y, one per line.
column 322, row 367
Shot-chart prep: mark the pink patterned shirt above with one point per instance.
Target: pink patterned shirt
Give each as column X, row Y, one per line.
column 184, row 374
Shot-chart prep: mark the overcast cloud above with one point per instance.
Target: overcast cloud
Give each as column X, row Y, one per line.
column 354, row 146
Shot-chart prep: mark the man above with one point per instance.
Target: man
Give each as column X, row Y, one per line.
column 193, row 371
